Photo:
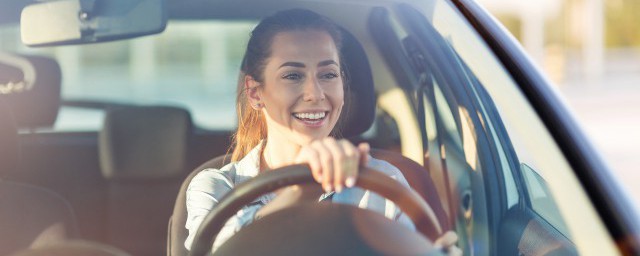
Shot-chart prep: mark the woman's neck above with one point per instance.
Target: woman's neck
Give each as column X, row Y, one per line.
column 278, row 154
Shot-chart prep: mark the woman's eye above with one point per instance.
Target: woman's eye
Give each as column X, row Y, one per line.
column 292, row 76
column 329, row 76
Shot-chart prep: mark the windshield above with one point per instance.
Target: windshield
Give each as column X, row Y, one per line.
column 192, row 64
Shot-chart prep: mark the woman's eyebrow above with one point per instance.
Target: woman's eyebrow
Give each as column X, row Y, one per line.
column 327, row 63
column 293, row 64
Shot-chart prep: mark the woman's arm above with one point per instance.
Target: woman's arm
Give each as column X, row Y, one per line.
column 203, row 194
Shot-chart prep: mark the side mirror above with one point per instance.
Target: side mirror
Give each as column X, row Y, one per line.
column 67, row 22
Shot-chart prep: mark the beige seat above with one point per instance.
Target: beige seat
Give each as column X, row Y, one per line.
column 30, row 216
column 143, row 157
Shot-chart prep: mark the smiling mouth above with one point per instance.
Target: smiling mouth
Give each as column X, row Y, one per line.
column 311, row 117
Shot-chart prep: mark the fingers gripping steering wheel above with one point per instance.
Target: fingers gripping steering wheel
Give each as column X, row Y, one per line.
column 406, row 199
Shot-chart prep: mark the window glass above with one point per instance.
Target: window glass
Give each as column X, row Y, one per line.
column 532, row 141
column 192, row 64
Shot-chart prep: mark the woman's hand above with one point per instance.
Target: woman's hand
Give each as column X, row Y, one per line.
column 334, row 163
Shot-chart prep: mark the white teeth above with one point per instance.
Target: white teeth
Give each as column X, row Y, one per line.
column 310, row 115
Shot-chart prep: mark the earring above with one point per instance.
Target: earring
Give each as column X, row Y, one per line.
column 258, row 105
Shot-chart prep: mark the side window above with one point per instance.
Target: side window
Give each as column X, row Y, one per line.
column 454, row 153
column 479, row 128
column 522, row 189
column 539, row 198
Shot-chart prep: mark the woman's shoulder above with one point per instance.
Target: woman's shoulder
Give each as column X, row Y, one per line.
column 210, row 176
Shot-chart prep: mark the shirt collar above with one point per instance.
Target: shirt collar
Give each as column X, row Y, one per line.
column 249, row 166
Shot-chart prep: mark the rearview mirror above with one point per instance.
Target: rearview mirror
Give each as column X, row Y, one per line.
column 66, row 22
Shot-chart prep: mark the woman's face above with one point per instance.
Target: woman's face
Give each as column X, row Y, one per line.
column 302, row 92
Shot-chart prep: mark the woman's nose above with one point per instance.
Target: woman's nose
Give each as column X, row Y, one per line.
column 313, row 91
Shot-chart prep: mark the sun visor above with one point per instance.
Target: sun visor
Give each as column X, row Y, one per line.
column 30, row 85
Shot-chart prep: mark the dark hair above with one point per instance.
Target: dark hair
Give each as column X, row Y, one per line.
column 252, row 125
column 259, row 46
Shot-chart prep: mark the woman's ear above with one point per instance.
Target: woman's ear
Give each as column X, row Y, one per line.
column 252, row 90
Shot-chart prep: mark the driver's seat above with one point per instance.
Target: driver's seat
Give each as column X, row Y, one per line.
column 356, row 118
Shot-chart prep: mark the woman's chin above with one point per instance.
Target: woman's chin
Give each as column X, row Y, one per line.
column 305, row 139
column 308, row 134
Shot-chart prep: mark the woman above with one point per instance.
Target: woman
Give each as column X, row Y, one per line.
column 289, row 102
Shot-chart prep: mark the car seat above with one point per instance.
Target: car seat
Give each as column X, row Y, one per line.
column 143, row 157
column 62, row 161
column 356, row 118
column 30, row 216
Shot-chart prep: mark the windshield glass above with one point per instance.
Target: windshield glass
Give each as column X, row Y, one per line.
column 192, row 64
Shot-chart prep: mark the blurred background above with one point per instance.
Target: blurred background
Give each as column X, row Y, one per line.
column 590, row 49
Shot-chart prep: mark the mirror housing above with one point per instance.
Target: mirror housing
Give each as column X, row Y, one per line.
column 66, row 22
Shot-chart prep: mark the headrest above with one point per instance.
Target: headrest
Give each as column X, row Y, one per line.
column 360, row 101
column 31, row 87
column 144, row 143
column 9, row 146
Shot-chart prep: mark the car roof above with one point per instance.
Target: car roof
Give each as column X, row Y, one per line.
column 221, row 9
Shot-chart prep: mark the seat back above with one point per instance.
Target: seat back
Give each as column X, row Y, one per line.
column 30, row 95
column 9, row 145
column 30, row 216
column 64, row 162
column 35, row 79
column 177, row 233
column 143, row 157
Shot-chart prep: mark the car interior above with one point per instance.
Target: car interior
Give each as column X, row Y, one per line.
column 358, row 117
column 119, row 188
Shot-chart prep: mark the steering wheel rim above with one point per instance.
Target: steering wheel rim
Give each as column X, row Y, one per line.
column 406, row 199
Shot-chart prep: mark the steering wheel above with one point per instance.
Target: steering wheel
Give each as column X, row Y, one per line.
column 406, row 199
